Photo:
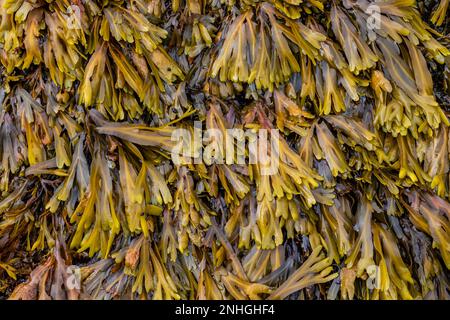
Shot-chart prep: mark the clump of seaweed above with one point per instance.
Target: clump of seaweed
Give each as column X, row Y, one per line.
column 93, row 206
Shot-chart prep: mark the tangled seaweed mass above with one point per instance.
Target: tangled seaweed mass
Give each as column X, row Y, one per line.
column 92, row 91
